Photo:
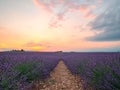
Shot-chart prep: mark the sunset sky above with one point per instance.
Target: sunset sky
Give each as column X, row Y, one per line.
column 67, row 25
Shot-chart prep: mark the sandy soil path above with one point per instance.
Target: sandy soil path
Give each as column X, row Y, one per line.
column 61, row 79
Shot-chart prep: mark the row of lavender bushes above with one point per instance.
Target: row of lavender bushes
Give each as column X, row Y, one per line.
column 101, row 71
column 20, row 69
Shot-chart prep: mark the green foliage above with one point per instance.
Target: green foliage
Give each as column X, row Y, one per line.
column 4, row 83
column 24, row 68
column 28, row 69
column 25, row 71
column 33, row 76
column 116, row 83
column 82, row 66
column 98, row 73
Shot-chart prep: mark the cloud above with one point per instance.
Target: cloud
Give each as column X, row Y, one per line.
column 103, row 49
column 5, row 49
column 100, row 1
column 54, row 24
column 61, row 7
column 108, row 23
column 90, row 14
column 42, row 5
column 31, row 44
column 112, row 35
column 84, row 7
column 36, row 45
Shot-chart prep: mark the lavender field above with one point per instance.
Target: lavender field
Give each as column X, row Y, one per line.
column 19, row 69
column 59, row 44
column 99, row 71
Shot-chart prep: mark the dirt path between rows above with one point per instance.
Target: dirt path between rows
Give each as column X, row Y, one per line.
column 61, row 79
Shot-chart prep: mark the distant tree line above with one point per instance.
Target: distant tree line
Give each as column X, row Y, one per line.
column 18, row 50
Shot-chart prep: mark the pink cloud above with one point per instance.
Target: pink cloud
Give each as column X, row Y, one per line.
column 84, row 7
column 90, row 14
column 93, row 6
column 42, row 5
column 100, row 1
column 53, row 24
column 59, row 8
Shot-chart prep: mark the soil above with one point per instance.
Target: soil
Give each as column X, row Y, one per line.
column 60, row 79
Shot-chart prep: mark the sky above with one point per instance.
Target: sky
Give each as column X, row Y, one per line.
column 60, row 25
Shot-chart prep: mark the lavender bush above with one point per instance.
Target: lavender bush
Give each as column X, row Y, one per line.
column 99, row 70
column 18, row 69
